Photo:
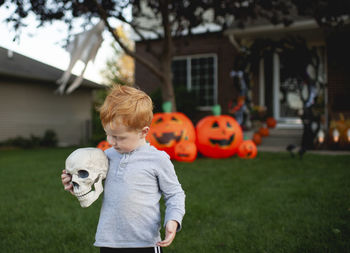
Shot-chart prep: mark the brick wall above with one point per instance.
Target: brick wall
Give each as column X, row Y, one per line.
column 214, row 43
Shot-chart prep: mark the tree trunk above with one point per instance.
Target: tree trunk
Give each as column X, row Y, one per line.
column 166, row 57
column 168, row 93
column 164, row 72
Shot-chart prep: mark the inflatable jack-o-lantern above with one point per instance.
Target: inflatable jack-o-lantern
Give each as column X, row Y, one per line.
column 247, row 149
column 104, row 145
column 218, row 136
column 169, row 128
column 185, row 151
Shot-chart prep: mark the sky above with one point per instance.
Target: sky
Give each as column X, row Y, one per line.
column 44, row 45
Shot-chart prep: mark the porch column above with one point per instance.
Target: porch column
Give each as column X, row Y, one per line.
column 261, row 82
column 276, row 86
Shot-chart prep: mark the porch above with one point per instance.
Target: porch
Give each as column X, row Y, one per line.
column 280, row 137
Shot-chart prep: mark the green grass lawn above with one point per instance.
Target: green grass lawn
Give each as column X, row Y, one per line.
column 270, row 204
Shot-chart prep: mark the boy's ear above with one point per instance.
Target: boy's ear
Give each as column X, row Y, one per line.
column 144, row 131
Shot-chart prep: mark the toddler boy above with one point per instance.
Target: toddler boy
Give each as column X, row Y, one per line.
column 138, row 175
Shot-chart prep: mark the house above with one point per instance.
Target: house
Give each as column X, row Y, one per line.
column 204, row 63
column 30, row 106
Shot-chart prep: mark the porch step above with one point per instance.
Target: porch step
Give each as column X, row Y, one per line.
column 280, row 138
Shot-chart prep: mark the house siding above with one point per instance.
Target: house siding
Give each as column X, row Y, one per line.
column 31, row 109
column 214, row 43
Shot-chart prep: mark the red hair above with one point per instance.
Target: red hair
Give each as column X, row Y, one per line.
column 127, row 105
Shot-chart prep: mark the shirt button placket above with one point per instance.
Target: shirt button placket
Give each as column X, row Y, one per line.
column 123, row 163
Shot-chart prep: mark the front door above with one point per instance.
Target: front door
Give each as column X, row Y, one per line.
column 287, row 103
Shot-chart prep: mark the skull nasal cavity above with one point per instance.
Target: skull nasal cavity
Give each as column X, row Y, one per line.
column 83, row 173
column 75, row 185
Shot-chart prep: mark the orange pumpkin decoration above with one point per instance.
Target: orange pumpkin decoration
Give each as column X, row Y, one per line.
column 264, row 131
column 185, row 151
column 271, row 122
column 218, row 136
column 169, row 128
column 104, row 145
column 341, row 125
column 247, row 150
column 256, row 138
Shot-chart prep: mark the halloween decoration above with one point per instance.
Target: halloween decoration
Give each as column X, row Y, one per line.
column 185, row 151
column 339, row 133
column 264, row 131
column 271, row 122
column 256, row 138
column 320, row 136
column 218, row 136
column 84, row 47
column 247, row 149
column 169, row 128
column 103, row 145
column 88, row 167
column 241, row 81
column 335, row 135
column 290, row 148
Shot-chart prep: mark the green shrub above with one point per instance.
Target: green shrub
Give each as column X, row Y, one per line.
column 48, row 140
column 98, row 133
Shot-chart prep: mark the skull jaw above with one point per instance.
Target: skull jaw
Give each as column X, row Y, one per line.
column 89, row 198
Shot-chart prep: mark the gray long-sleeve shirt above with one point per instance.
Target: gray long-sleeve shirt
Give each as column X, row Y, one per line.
column 130, row 215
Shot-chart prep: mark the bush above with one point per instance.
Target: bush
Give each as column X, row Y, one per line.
column 98, row 133
column 48, row 140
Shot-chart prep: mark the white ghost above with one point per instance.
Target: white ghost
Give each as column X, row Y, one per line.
column 84, row 47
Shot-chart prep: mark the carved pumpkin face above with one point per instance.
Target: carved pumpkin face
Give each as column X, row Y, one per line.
column 185, row 151
column 104, row 145
column 168, row 129
column 247, row 150
column 218, row 136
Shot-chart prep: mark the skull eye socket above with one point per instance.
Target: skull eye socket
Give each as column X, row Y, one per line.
column 83, row 173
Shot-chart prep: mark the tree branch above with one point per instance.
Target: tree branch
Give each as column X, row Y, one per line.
column 167, row 49
column 147, row 64
column 136, row 30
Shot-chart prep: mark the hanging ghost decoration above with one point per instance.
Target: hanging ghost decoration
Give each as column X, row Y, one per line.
column 242, row 108
column 84, row 47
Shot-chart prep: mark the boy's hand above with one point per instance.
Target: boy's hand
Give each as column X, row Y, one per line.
column 170, row 232
column 66, row 181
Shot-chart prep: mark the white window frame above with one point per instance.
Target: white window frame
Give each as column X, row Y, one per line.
column 188, row 59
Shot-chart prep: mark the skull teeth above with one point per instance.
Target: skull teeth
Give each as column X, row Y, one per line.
column 82, row 195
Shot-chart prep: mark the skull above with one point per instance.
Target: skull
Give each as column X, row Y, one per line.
column 88, row 167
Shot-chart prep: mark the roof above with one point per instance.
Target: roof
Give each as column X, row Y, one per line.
column 17, row 66
column 262, row 26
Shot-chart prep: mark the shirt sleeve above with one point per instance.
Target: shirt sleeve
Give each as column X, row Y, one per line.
column 172, row 191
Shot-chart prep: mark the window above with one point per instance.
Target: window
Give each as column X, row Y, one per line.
column 197, row 74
